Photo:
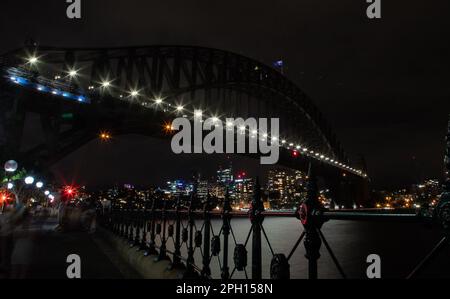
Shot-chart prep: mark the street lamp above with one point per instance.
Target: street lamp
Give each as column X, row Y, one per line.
column 47, row 193
column 11, row 166
column 39, row 185
column 29, row 180
column 10, row 186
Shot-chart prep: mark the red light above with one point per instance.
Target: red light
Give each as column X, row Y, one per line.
column 295, row 154
column 70, row 191
column 5, row 197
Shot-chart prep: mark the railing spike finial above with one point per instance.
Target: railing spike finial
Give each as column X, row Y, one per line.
column 226, row 201
column 257, row 203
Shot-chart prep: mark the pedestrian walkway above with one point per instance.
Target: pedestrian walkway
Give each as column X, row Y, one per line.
column 51, row 248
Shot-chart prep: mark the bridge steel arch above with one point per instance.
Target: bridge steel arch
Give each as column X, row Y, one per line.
column 172, row 72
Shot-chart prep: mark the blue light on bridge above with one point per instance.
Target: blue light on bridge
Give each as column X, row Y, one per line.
column 40, row 86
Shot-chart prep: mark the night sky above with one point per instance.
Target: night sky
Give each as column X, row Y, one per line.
column 382, row 84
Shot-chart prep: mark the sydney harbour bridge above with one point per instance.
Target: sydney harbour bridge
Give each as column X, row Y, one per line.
column 78, row 93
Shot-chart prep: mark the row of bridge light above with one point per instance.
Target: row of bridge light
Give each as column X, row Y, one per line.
column 134, row 93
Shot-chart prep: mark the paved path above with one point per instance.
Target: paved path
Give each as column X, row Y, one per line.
column 51, row 248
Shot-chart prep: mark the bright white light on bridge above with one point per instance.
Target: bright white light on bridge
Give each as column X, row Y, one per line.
column 39, row 185
column 274, row 138
column 180, row 108
column 283, row 141
column 229, row 124
column 106, row 84
column 73, row 73
column 134, row 93
column 10, row 186
column 32, row 60
column 265, row 135
column 158, row 101
column 242, row 128
column 198, row 113
column 214, row 119
column 47, row 193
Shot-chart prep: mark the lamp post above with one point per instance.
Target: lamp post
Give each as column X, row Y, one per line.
column 9, row 167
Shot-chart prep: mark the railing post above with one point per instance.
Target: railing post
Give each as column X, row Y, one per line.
column 226, row 233
column 206, row 271
column 152, row 249
column 190, row 272
column 310, row 216
column 121, row 224
column 256, row 218
column 143, row 245
column 176, row 260
column 162, row 249
column 137, row 233
column 129, row 226
column 132, row 224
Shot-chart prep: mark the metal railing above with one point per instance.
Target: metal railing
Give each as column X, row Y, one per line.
column 178, row 225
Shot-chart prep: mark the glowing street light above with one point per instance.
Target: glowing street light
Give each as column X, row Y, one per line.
column 10, row 186
column 106, row 84
column 29, row 180
column 158, row 101
column 39, row 185
column 180, row 108
column 47, row 193
column 11, row 166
